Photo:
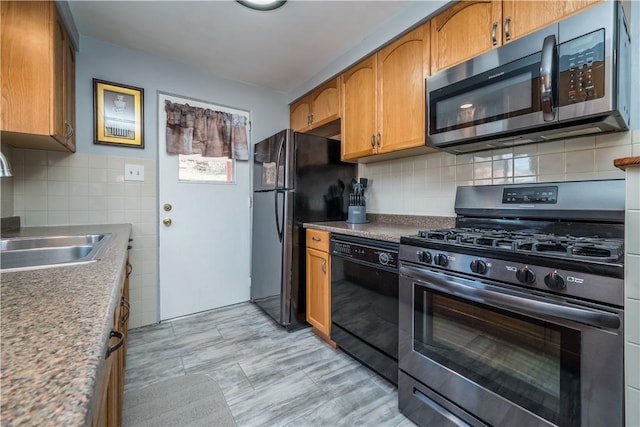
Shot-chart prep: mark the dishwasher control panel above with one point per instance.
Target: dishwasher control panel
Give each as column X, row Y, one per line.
column 383, row 254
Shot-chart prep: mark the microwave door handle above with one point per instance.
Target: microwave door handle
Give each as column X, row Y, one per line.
column 546, row 77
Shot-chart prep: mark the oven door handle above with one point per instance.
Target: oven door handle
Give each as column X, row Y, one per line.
column 520, row 304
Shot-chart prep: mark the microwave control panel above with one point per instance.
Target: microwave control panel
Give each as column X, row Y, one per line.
column 581, row 69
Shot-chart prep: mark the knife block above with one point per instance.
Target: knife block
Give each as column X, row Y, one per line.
column 357, row 215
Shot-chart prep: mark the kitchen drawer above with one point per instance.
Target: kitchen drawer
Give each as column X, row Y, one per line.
column 317, row 239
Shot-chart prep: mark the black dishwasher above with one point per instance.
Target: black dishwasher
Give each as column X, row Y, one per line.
column 364, row 301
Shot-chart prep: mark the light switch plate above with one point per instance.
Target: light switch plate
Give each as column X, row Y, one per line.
column 133, row 172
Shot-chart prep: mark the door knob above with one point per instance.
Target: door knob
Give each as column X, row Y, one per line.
column 167, row 207
column 167, row 221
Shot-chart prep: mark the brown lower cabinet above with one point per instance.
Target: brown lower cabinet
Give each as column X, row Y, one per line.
column 109, row 394
column 319, row 284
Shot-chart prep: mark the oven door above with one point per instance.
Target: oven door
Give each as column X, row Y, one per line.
column 510, row 357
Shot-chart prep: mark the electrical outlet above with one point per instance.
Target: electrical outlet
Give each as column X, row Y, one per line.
column 133, row 172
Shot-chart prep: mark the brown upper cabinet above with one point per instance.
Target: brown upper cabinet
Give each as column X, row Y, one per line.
column 524, row 17
column 383, row 98
column 472, row 27
column 38, row 77
column 358, row 125
column 317, row 108
column 465, row 30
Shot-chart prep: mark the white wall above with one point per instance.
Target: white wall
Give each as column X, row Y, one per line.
column 386, row 32
column 88, row 187
column 101, row 60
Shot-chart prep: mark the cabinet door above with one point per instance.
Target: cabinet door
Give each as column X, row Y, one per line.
column 402, row 68
column 318, row 294
column 38, row 96
column 113, row 400
column 300, row 114
column 26, row 67
column 525, row 16
column 69, row 94
column 465, row 30
column 358, row 126
column 58, row 97
column 325, row 105
column 100, row 409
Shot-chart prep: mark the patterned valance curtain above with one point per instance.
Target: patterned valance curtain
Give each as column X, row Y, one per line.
column 196, row 130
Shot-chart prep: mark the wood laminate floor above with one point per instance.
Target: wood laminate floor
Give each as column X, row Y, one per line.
column 269, row 377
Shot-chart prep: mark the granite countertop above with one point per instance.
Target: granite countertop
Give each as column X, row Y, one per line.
column 55, row 327
column 388, row 228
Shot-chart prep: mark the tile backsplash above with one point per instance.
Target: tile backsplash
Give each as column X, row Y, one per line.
column 54, row 188
column 426, row 184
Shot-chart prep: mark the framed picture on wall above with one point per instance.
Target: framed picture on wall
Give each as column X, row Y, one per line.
column 118, row 115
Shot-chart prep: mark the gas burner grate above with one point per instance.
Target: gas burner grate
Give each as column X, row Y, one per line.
column 581, row 248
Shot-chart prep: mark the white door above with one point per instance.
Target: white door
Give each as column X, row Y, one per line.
column 204, row 252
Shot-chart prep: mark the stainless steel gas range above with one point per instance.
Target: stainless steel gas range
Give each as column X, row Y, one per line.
column 515, row 317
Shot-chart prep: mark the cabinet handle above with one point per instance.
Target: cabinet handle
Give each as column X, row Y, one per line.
column 324, row 266
column 311, row 121
column 69, row 133
column 125, row 304
column 379, row 143
column 111, row 349
column 507, row 34
column 373, row 141
column 316, row 239
column 494, row 27
column 129, row 269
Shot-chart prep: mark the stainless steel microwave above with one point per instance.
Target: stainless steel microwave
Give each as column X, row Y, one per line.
column 571, row 78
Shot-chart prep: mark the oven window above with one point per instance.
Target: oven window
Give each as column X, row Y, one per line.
column 532, row 363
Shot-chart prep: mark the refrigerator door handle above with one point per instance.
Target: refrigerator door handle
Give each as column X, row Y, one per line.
column 279, row 227
column 278, row 157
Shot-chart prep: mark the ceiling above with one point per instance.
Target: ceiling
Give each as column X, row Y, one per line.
column 280, row 49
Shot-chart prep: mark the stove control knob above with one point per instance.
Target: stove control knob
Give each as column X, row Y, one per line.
column 478, row 266
column 425, row 257
column 441, row 260
column 524, row 275
column 554, row 281
column 384, row 258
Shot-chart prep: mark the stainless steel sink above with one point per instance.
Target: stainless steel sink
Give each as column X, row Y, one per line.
column 48, row 242
column 23, row 253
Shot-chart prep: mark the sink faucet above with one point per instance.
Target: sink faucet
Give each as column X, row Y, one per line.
column 5, row 169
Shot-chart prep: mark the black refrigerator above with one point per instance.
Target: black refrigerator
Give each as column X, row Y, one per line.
column 297, row 178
